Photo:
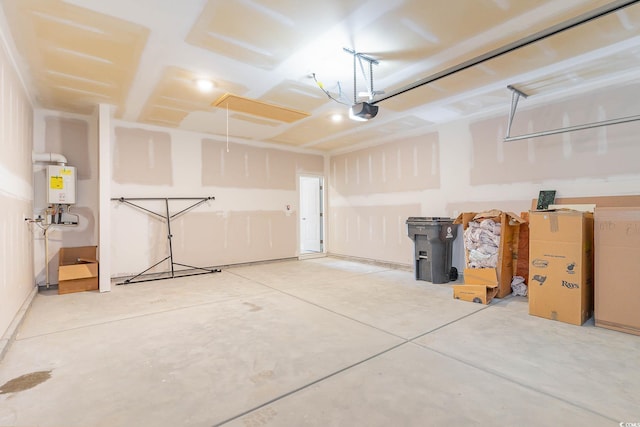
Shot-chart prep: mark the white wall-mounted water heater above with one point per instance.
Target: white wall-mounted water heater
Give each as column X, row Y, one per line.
column 61, row 185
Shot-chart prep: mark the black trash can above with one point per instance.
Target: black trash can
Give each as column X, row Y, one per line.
column 433, row 238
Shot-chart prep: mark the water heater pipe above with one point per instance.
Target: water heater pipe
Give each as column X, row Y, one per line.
column 49, row 157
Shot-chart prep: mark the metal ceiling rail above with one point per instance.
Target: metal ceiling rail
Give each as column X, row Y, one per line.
column 572, row 128
column 614, row 6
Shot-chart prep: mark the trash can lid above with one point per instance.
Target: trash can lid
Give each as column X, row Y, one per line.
column 422, row 219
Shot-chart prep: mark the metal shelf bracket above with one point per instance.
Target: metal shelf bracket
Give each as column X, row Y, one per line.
column 515, row 96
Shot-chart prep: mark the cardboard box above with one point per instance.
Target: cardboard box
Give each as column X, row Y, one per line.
column 521, row 264
column 507, row 251
column 480, row 285
column 617, row 269
column 481, row 294
column 77, row 269
column 561, row 265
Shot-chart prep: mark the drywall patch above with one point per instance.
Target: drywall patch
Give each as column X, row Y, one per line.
column 245, row 166
column 408, row 165
column 69, row 137
column 142, row 157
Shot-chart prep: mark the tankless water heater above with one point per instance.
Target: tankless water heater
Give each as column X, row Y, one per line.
column 61, row 185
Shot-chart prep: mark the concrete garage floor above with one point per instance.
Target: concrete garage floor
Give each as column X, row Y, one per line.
column 322, row 342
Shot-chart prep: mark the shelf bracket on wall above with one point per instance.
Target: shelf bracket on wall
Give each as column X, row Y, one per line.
column 166, row 216
column 515, row 96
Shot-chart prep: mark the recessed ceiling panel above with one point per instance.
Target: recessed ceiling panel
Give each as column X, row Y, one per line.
column 78, row 58
column 264, row 33
column 254, row 120
column 259, row 108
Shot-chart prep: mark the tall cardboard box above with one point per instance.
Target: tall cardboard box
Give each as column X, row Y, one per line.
column 77, row 269
column 507, row 251
column 561, row 265
column 617, row 269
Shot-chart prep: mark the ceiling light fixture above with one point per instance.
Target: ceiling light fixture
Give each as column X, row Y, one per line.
column 204, row 85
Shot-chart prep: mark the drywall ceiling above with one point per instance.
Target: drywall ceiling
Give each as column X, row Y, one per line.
column 144, row 57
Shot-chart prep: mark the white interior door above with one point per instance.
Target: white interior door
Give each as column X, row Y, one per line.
column 310, row 214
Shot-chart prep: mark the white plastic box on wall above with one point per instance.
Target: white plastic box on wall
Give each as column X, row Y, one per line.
column 61, row 184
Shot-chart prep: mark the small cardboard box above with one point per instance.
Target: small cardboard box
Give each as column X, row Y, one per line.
column 507, row 251
column 480, row 285
column 561, row 265
column 77, row 270
column 617, row 269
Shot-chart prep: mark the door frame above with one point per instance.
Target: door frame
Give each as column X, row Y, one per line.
column 323, row 220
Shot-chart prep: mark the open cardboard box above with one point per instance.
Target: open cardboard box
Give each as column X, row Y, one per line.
column 507, row 251
column 480, row 285
column 77, row 269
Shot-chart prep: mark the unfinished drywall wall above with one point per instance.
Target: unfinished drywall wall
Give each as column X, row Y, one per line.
column 596, row 152
column 248, row 221
column 234, row 236
column 374, row 190
column 372, row 232
column 475, row 170
column 16, row 141
column 73, row 136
